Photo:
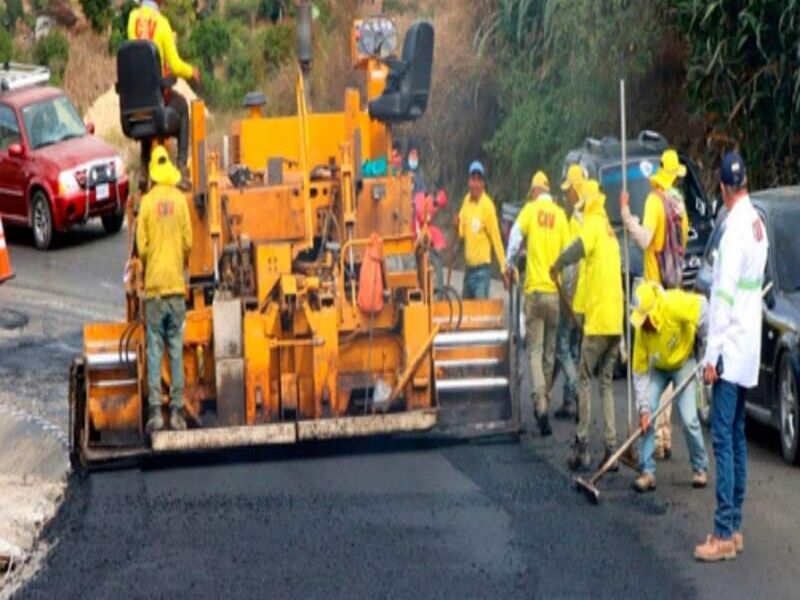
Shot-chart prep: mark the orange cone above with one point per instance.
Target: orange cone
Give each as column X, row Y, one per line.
column 5, row 259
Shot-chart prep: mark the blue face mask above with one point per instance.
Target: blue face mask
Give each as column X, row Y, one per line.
column 413, row 164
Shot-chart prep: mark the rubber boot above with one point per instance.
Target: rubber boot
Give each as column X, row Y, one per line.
column 544, row 426
column 155, row 422
column 581, row 459
column 565, row 413
column 176, row 419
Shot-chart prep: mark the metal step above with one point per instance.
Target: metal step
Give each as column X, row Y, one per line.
column 471, row 384
column 467, row 363
column 492, row 337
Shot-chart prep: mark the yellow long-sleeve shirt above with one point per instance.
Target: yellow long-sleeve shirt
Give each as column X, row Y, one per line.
column 147, row 23
column 480, row 231
column 544, row 224
column 164, row 239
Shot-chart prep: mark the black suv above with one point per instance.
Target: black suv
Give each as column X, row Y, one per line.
column 602, row 160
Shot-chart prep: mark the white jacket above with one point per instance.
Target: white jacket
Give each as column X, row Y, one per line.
column 736, row 310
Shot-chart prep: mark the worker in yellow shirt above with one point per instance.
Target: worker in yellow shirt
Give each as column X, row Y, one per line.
column 602, row 331
column 476, row 224
column 568, row 338
column 665, row 219
column 147, row 23
column 163, row 240
column 667, row 323
column 544, row 225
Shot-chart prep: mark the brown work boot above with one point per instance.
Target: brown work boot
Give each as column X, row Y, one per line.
column 646, row 482
column 155, row 422
column 581, row 459
column 715, row 549
column 176, row 419
column 738, row 541
column 699, row 479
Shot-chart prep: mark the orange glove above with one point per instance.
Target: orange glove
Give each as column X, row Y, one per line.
column 624, row 199
column 644, row 422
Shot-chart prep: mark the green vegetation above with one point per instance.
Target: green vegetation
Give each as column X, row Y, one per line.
column 98, row 12
column 53, row 51
column 6, row 46
column 210, row 41
column 276, row 44
column 11, row 11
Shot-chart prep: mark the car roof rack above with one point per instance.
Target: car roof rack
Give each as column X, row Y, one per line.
column 14, row 76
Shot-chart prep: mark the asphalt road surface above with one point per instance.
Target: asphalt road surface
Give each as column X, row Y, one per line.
column 379, row 518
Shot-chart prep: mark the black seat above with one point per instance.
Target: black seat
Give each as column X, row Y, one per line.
column 408, row 85
column 140, row 86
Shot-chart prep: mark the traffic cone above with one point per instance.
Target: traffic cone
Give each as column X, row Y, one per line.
column 5, row 260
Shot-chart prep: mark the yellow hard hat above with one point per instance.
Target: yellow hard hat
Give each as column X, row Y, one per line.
column 575, row 178
column 645, row 302
column 161, row 169
column 540, row 180
column 670, row 169
column 591, row 195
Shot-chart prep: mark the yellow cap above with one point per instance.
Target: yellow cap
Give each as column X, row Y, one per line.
column 591, row 195
column 645, row 299
column 540, row 180
column 575, row 178
column 162, row 171
column 670, row 169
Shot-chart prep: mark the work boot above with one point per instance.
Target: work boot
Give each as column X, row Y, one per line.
column 715, row 549
column 565, row 413
column 615, row 466
column 544, row 426
column 646, row 482
column 185, row 183
column 155, row 422
column 176, row 420
column 581, row 459
column 699, row 479
column 738, row 541
column 663, row 453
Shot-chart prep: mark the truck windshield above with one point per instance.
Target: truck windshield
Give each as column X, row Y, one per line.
column 52, row 121
column 786, row 224
column 639, row 172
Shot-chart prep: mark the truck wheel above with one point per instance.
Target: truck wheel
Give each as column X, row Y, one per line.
column 790, row 415
column 113, row 223
column 42, row 219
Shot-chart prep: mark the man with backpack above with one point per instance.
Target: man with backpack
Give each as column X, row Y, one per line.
column 662, row 236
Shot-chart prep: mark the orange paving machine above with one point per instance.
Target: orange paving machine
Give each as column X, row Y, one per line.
column 285, row 341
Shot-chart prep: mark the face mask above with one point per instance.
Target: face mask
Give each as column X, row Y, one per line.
column 413, row 164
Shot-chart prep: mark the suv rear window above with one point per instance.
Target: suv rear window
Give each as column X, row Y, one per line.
column 52, row 121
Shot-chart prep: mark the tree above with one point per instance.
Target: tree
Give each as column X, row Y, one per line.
column 209, row 41
column 53, row 52
column 6, row 46
column 98, row 12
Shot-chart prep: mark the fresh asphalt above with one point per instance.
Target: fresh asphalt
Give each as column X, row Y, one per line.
column 379, row 518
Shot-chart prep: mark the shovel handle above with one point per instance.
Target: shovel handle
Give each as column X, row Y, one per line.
column 638, row 433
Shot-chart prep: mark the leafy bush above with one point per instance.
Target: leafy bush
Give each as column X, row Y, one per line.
column 98, row 12
column 743, row 80
column 119, row 26
column 182, row 15
column 53, row 51
column 12, row 12
column 244, row 11
column 210, row 41
column 6, row 45
column 276, row 43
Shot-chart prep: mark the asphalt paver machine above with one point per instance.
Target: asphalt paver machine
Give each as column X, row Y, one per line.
column 278, row 348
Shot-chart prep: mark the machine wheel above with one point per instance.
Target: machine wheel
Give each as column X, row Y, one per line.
column 789, row 413
column 77, row 408
column 42, row 220
column 113, row 223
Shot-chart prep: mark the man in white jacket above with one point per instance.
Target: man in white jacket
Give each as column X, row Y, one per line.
column 733, row 353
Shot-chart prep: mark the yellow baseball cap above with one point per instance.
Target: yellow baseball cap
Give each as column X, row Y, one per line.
column 161, row 169
column 670, row 169
column 575, row 178
column 540, row 180
column 645, row 300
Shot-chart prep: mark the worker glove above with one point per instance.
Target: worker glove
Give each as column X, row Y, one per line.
column 644, row 421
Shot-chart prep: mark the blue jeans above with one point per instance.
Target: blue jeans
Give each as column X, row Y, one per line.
column 165, row 320
column 687, row 406
column 730, row 450
column 568, row 353
column 476, row 282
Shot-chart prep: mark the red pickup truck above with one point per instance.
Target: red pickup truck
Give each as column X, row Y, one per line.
column 54, row 173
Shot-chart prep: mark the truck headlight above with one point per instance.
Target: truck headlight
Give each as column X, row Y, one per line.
column 67, row 184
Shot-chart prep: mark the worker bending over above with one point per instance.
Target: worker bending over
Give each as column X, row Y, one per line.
column 148, row 23
column 543, row 223
column 570, row 322
column 164, row 239
column 662, row 236
column 602, row 331
column 667, row 323
column 476, row 224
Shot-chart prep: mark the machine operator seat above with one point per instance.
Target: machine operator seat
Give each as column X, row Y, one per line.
column 140, row 85
column 408, row 85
